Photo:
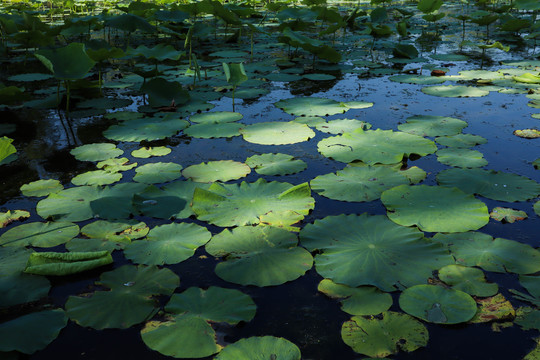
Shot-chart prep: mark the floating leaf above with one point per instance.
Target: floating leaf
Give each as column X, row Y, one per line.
column 261, row 256
column 159, row 172
column 495, row 308
column 146, row 129
column 39, row 234
column 418, row 79
column 13, row 260
column 311, row 106
column 22, row 288
column 363, row 300
column 341, row 126
column 66, row 63
column 58, row 264
column 275, row 164
column 507, row 215
column 276, row 133
column 6, row 149
column 386, row 336
column 212, row 171
column 96, row 177
column 264, row 347
column 437, row 304
column 147, row 152
column 459, row 157
column 454, row 91
column 467, row 279
column 528, row 318
column 430, row 125
column 216, row 117
column 96, row 152
column 9, row 216
column 461, row 140
column 528, row 133
column 391, row 256
column 116, row 165
column 434, row 208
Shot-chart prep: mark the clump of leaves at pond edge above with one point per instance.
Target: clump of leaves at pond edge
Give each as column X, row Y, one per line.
column 435, row 208
column 30, row 333
column 390, row 255
column 496, row 185
column 363, row 300
column 186, row 332
column 167, row 244
column 497, row 255
column 129, row 300
column 261, row 255
column 276, row 133
column 247, row 203
column 467, row 279
column 264, row 347
column 437, row 304
column 213, row 171
column 40, row 234
column 431, row 125
column 9, row 216
column 375, row 146
column 62, row 263
column 385, row 335
column 41, row 187
column 275, row 164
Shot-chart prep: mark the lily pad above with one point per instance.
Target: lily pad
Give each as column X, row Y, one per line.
column 41, row 187
column 434, row 208
column 128, row 302
column 216, row 117
column 375, row 146
column 418, row 79
column 461, row 140
column 96, row 177
column 275, row 164
column 9, row 216
column 246, row 203
column 311, row 106
column 391, row 256
column 189, row 334
column 388, row 335
column 528, row 318
column 277, row 133
column 40, row 234
column 58, row 264
column 260, row 348
column 162, row 92
column 431, row 125
column 437, row 304
column 22, row 288
column 528, row 133
column 261, row 256
column 363, row 300
column 497, row 255
column 310, row 121
column 467, row 279
column 116, row 165
column 495, row 308
column 507, row 215
column 168, row 244
column 496, row 185
column 341, row 126
column 146, row 129
column 96, row 152
column 147, row 152
column 459, row 157
column 212, row 171
column 159, row 172
column 532, row 284
column 209, row 131
column 66, row 63
column 454, row 91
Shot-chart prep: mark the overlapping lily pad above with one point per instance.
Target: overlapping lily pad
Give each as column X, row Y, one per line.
column 467, row 279
column 212, row 171
column 463, row 158
column 146, row 129
column 277, row 133
column 40, row 234
column 391, row 256
column 431, row 125
column 96, row 152
column 461, row 140
column 264, row 347
column 363, row 300
column 116, row 165
column 216, row 117
column 9, row 216
column 147, row 152
column 42, row 187
column 275, row 164
column 434, row 208
column 108, row 235
column 96, row 177
column 311, row 106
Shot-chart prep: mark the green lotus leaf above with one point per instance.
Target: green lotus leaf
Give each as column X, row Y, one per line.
column 461, row 140
column 67, row 63
column 123, row 115
column 527, row 133
column 6, row 149
column 96, row 177
column 417, row 79
column 454, row 91
column 9, row 216
column 311, row 106
column 260, row 348
column 414, row 174
column 209, row 131
column 459, row 157
column 30, row 333
column 246, row 203
column 528, row 318
column 391, row 256
column 96, row 152
column 434, row 208
column 22, row 288
column 375, row 146
column 275, row 164
column 276, row 133
column 358, row 104
column 13, row 260
column 379, row 338
column 234, row 73
column 212, row 171
column 437, row 304
column 364, row 183
column 431, row 125
column 261, row 256
column 58, row 264
column 162, row 92
column 146, row 129
column 129, row 300
column 282, row 77
column 189, row 333
column 216, row 117
column 507, row 215
column 147, row 152
column 129, row 23
column 532, row 284
column 30, row 77
column 118, row 231
column 41, row 187
column 160, row 52
column 497, row 255
column 527, row 78
column 116, row 165
column 159, row 172
column 40, row 234
column 12, row 94
column 310, row 121
column 249, row 93
column 496, row 185
column 495, row 308
column 536, row 208
column 168, row 244
column 341, row 126
column 467, row 279
column 363, row 300
column 85, row 202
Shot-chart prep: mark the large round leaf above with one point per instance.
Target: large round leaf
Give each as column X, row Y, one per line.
column 146, row 129
column 96, row 177
column 375, row 146
column 40, row 234
column 216, row 117
column 189, row 334
column 341, row 126
column 498, row 255
column 22, row 288
column 430, row 125
column 208, row 131
column 212, row 171
column 454, row 91
column 262, row 255
column 41, row 187
column 492, row 184
column 129, row 300
column 363, row 300
column 275, row 164
column 260, row 348
column 311, row 106
column 437, row 304
column 67, row 63
column 435, row 208
column 382, row 337
column 277, row 133
column 467, row 279
column 390, row 256
column 96, row 152
column 168, row 244
column 159, row 172
column 463, row 158
column 461, row 140
column 246, row 203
